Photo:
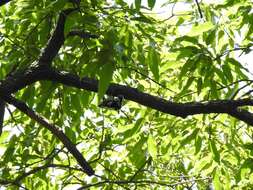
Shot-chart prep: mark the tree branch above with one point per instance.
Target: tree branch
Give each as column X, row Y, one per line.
column 199, row 9
column 57, row 132
column 37, row 169
column 183, row 110
column 177, row 109
column 56, row 41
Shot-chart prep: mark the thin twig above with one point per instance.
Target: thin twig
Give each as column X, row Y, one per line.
column 199, row 9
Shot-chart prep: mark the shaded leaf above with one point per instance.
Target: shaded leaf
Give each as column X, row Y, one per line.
column 151, row 3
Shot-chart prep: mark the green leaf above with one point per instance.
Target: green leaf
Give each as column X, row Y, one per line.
column 227, row 71
column 211, row 37
column 105, row 77
column 215, row 152
column 28, row 93
column 76, row 103
column 191, row 39
column 151, row 3
column 199, row 85
column 57, row 5
column 70, row 23
column 85, row 98
column 137, row 4
column 9, row 152
column 198, row 143
column 142, row 18
column 71, row 134
column 188, row 83
column 186, row 52
column 190, row 65
column 152, row 149
column 214, row 91
column 200, row 29
column 220, row 74
column 47, row 89
column 137, row 154
column 190, row 137
column 216, row 180
column 154, row 62
column 128, row 134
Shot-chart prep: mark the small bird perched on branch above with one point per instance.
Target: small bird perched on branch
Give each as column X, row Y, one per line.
column 112, row 102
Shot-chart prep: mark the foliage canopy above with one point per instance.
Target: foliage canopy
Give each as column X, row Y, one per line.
column 186, row 120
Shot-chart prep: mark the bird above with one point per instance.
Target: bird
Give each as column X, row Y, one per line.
column 112, row 102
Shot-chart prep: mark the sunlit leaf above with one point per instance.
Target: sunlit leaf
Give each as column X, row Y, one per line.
column 154, row 62
column 214, row 150
column 105, row 79
column 201, row 28
column 216, row 181
column 152, row 146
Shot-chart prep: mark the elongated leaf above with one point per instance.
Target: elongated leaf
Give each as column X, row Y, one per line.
column 188, row 83
column 198, row 143
column 227, row 71
column 214, row 91
column 71, row 134
column 191, row 39
column 154, row 62
column 105, row 77
column 151, row 3
column 216, row 180
column 138, row 4
column 152, row 149
column 143, row 19
column 214, row 150
column 220, row 74
column 211, row 37
column 199, row 85
column 76, row 103
column 137, row 154
column 128, row 134
column 198, row 30
column 190, row 137
column 189, row 65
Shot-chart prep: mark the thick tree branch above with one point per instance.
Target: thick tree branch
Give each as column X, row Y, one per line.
column 177, row 109
column 38, row 73
column 57, row 132
column 56, row 41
